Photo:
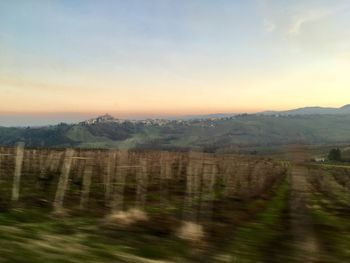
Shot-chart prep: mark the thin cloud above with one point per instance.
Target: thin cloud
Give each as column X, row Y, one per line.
column 291, row 18
column 269, row 25
column 310, row 16
column 313, row 15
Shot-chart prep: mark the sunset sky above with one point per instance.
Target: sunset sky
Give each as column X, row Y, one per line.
column 171, row 57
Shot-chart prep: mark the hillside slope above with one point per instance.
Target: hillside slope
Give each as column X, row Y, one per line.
column 226, row 134
column 312, row 111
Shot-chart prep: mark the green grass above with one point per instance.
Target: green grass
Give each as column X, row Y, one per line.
column 253, row 242
column 332, row 165
column 35, row 236
column 330, row 211
column 333, row 229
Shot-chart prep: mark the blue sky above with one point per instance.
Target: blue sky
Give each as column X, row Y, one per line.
column 160, row 57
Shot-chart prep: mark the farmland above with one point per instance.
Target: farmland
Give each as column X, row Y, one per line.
column 80, row 205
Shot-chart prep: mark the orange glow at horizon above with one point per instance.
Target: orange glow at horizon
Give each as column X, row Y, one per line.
column 174, row 59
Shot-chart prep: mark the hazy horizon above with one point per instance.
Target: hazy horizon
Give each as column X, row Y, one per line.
column 18, row 119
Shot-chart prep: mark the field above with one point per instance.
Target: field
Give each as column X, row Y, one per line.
column 73, row 205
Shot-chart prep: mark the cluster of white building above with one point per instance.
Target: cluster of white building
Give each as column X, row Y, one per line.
column 207, row 122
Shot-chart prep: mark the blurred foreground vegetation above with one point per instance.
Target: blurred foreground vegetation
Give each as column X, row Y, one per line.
column 251, row 232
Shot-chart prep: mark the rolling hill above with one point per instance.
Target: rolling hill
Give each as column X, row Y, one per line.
column 230, row 134
column 312, row 111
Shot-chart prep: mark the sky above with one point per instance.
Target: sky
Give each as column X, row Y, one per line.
column 68, row 60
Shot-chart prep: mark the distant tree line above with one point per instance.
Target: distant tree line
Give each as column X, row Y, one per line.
column 335, row 155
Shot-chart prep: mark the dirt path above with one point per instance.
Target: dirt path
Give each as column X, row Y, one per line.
column 305, row 243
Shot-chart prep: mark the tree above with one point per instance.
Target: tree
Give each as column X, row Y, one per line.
column 335, row 155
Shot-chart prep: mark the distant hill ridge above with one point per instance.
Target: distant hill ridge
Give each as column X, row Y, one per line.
column 229, row 134
column 315, row 110
column 213, row 133
column 311, row 111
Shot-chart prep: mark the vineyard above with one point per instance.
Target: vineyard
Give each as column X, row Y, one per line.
column 75, row 205
column 329, row 204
